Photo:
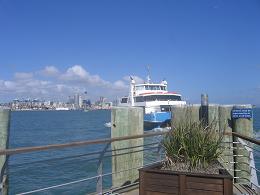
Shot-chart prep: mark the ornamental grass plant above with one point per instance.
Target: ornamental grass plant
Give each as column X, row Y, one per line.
column 194, row 145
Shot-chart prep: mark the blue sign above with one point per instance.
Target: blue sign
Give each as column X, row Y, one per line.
column 242, row 113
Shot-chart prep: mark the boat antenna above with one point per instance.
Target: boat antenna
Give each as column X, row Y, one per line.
column 148, row 76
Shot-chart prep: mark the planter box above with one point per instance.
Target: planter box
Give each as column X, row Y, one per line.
column 154, row 181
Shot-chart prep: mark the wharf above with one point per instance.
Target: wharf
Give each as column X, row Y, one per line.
column 238, row 189
column 130, row 149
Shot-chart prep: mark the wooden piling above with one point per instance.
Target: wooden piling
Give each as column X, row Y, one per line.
column 225, row 126
column 204, row 109
column 126, row 121
column 243, row 126
column 220, row 115
column 235, row 161
column 213, row 115
column 181, row 113
column 4, row 133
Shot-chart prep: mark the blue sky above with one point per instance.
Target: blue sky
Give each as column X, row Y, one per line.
column 51, row 49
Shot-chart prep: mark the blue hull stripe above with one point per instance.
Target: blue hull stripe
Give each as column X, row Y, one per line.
column 157, row 117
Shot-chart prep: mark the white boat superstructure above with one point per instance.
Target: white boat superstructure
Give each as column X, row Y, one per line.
column 153, row 97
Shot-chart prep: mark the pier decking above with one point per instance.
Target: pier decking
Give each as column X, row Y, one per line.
column 238, row 189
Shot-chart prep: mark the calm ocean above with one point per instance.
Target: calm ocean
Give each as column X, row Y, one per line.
column 36, row 170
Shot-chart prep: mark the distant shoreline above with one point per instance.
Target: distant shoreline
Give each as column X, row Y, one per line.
column 55, row 110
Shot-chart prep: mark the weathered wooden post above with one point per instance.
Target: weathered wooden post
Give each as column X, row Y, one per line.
column 4, row 133
column 228, row 119
column 213, row 115
column 204, row 110
column 126, row 121
column 225, row 126
column 243, row 124
column 182, row 113
column 220, row 115
column 192, row 112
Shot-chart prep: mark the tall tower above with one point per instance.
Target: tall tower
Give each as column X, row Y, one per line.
column 76, row 101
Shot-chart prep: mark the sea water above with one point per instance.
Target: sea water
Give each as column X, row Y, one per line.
column 28, row 172
column 37, row 170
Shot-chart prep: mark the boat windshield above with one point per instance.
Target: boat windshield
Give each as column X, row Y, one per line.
column 124, row 100
column 139, row 88
column 155, row 87
column 157, row 98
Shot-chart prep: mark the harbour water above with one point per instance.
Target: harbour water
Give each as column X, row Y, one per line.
column 38, row 170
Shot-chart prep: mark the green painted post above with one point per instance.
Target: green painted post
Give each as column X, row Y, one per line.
column 126, row 121
column 243, row 126
column 225, row 126
column 4, row 133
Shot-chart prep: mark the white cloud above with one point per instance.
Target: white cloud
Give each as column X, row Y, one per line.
column 60, row 87
column 79, row 74
column 23, row 75
column 10, row 85
column 137, row 79
column 1, row 83
column 120, row 85
column 50, row 83
column 75, row 73
column 50, row 71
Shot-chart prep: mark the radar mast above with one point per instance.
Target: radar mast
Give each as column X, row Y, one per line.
column 148, row 76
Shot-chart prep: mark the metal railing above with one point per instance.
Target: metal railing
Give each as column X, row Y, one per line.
column 240, row 162
column 151, row 150
column 152, row 154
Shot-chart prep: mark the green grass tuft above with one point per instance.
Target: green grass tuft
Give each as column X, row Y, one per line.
column 193, row 143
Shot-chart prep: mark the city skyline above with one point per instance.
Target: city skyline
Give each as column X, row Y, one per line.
column 54, row 49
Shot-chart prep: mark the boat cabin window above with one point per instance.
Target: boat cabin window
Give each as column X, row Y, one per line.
column 157, row 98
column 139, row 99
column 163, row 88
column 139, row 88
column 124, row 100
column 154, row 87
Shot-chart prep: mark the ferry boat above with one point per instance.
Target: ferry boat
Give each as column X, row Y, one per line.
column 155, row 99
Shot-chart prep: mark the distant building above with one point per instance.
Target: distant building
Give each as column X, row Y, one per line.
column 47, row 103
column 78, row 101
column 71, row 100
column 87, row 103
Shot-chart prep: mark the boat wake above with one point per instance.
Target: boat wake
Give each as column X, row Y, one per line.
column 108, row 124
column 257, row 135
column 159, row 129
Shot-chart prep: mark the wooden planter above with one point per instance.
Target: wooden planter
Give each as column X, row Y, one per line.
column 154, row 181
